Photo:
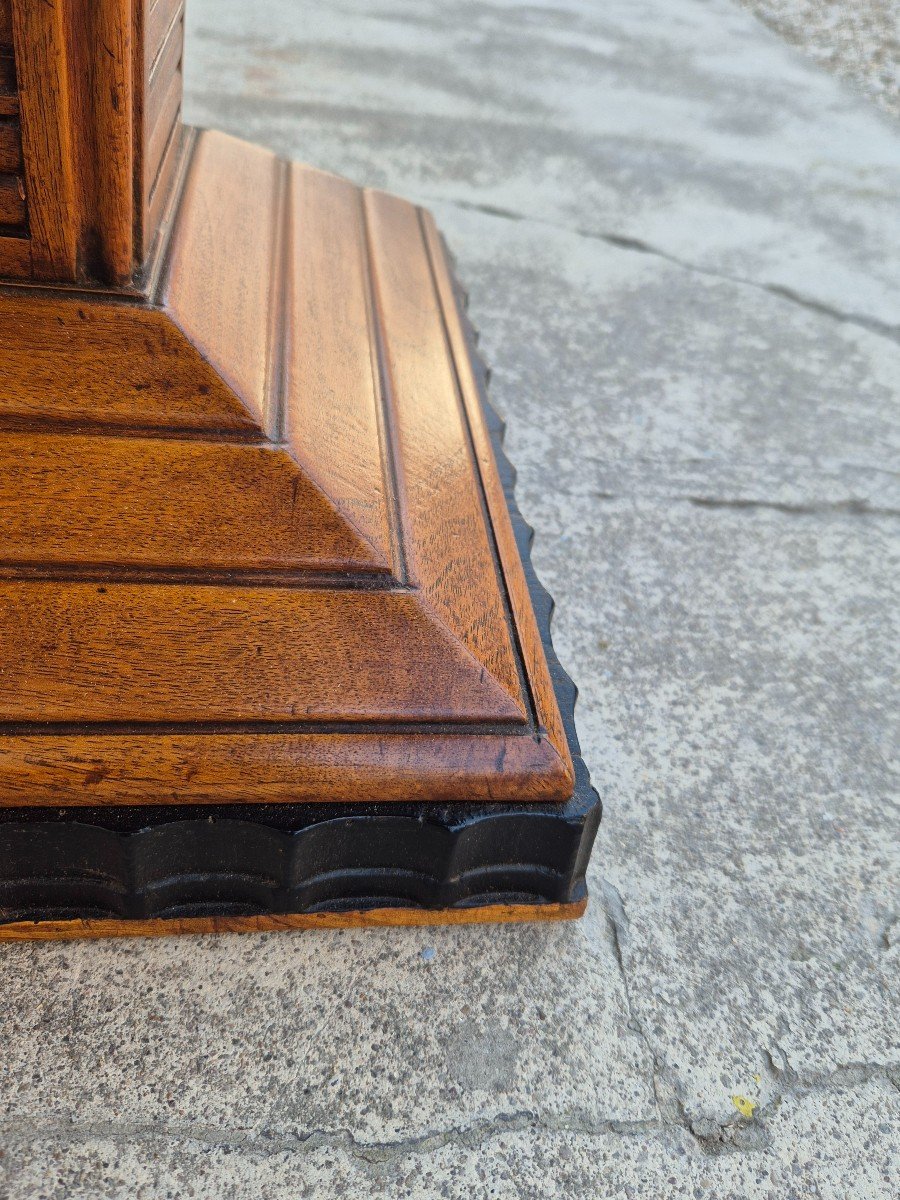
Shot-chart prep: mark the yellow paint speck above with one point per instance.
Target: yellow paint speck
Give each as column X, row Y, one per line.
column 744, row 1106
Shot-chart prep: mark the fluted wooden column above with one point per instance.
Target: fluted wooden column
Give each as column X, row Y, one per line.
column 90, row 101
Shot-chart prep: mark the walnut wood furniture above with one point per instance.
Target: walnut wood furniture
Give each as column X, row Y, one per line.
column 269, row 648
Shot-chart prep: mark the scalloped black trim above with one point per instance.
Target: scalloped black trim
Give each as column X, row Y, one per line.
column 241, row 860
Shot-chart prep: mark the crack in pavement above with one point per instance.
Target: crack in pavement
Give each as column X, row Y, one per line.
column 653, row 471
column 669, row 1105
column 710, row 1137
column 851, row 507
column 636, row 245
column 737, row 1134
column 264, row 1142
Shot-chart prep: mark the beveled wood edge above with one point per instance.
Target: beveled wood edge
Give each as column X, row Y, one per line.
column 537, row 672
column 84, row 388
column 351, row 461
column 442, row 508
column 81, row 770
column 234, row 334
column 373, row 918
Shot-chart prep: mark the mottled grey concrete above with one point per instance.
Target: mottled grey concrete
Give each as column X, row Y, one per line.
column 682, row 249
column 857, row 39
column 813, row 1140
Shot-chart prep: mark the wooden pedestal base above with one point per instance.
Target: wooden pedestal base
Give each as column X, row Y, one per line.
column 269, row 645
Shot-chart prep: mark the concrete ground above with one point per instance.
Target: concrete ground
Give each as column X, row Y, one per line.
column 857, row 39
column 681, row 242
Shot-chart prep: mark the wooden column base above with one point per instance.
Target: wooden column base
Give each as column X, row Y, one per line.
column 272, row 648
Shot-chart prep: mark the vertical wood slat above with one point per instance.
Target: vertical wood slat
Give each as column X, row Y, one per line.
column 161, row 120
column 112, row 95
column 89, row 117
column 157, row 138
column 161, row 189
column 9, row 100
column 15, row 245
column 160, row 16
column 43, row 72
column 165, row 67
column 74, row 66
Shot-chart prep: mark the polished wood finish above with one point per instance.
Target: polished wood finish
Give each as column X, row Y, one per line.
column 15, row 255
column 267, row 641
column 373, row 918
column 328, row 315
column 255, row 547
column 160, row 116
column 90, row 90
column 109, row 130
column 530, row 643
column 45, row 108
column 223, row 286
column 131, row 652
column 152, row 500
column 264, row 553
column 78, row 766
column 93, row 362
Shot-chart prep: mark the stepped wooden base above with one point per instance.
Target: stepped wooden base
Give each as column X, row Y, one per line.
column 255, row 546
column 120, row 870
column 261, row 594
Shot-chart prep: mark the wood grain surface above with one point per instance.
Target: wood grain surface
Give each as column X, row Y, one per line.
column 222, row 288
column 449, row 550
column 12, row 199
column 87, row 361
column 169, row 503
column 373, row 918
column 10, row 148
column 15, row 255
column 46, row 107
column 160, row 17
column 108, row 127
column 331, row 352
column 176, row 652
column 160, row 117
column 93, row 90
column 256, row 544
column 78, row 765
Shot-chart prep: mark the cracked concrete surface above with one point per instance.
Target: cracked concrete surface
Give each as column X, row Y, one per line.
column 631, row 243
column 681, row 244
